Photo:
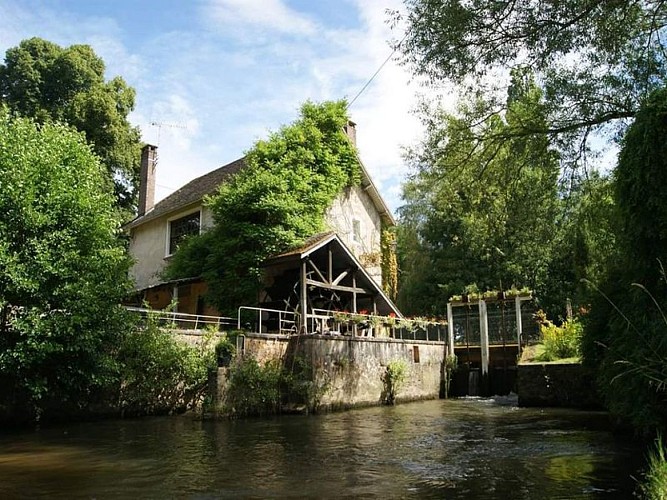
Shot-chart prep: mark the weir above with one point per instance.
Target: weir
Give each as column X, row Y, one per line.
column 487, row 337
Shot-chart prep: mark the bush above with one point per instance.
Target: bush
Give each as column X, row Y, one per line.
column 394, row 379
column 225, row 350
column 159, row 374
column 254, row 390
column 560, row 342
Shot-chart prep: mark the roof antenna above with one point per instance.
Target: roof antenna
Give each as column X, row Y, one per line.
column 159, row 126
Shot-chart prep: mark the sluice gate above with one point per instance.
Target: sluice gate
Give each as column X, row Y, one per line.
column 487, row 337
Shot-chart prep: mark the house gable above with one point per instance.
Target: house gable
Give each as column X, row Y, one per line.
column 357, row 215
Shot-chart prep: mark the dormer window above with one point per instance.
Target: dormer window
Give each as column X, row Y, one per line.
column 181, row 228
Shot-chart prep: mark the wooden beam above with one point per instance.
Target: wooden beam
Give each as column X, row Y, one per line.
column 317, row 271
column 330, row 263
column 341, row 276
column 304, row 299
column 340, row 288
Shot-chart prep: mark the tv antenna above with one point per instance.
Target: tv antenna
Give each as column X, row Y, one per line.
column 159, row 126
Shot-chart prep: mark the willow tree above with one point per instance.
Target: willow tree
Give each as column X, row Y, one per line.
column 478, row 215
column 271, row 205
column 595, row 60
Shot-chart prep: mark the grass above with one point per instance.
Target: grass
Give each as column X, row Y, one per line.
column 654, row 485
column 535, row 353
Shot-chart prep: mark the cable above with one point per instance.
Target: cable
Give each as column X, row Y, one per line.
column 378, row 71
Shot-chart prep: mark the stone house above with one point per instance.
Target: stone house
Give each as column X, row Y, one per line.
column 356, row 218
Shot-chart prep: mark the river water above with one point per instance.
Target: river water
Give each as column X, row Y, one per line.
column 465, row 448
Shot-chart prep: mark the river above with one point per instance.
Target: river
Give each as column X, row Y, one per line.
column 465, row 448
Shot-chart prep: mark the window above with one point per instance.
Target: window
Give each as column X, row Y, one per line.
column 356, row 230
column 180, row 228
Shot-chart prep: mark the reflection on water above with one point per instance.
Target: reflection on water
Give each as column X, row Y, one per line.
column 467, row 448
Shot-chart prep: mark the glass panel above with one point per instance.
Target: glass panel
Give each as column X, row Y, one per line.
column 180, row 228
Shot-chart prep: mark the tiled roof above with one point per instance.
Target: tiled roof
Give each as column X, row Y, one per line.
column 192, row 192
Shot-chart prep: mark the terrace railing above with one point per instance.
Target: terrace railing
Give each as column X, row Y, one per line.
column 186, row 321
column 262, row 320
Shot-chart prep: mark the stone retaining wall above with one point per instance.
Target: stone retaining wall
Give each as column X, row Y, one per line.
column 556, row 384
column 352, row 369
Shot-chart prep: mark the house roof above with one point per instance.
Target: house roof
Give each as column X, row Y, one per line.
column 195, row 190
column 309, row 250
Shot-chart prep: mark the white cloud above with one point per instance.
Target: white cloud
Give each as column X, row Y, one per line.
column 268, row 15
column 248, row 73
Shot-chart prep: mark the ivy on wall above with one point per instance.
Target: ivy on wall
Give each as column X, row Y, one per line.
column 389, row 262
column 273, row 204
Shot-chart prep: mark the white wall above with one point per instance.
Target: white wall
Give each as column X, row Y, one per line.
column 148, row 247
column 355, row 203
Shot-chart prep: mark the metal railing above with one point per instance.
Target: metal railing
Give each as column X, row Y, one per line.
column 262, row 320
column 185, row 321
column 371, row 325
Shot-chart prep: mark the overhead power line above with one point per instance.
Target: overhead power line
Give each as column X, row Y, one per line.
column 378, row 71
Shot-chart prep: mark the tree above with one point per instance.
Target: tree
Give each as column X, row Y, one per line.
column 63, row 270
column 273, row 204
column 625, row 341
column 46, row 82
column 596, row 60
column 478, row 215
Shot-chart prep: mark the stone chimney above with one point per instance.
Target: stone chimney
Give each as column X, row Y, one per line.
column 147, row 179
column 351, row 130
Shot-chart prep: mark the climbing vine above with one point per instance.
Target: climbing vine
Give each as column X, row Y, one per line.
column 273, row 204
column 389, row 262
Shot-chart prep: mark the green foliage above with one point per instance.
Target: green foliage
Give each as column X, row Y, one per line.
column 625, row 338
column 654, row 483
column 258, row 390
column 225, row 350
column 394, row 379
column 254, row 389
column 46, row 82
column 641, row 179
column 595, row 60
column 583, row 245
column 487, row 217
column 389, row 262
column 451, row 365
column 273, row 204
column 159, row 374
column 560, row 342
column 63, row 271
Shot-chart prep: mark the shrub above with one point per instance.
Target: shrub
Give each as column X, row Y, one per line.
column 159, row 374
column 394, row 379
column 254, row 390
column 560, row 342
column 225, row 350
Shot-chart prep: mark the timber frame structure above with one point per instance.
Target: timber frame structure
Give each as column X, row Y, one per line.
column 320, row 278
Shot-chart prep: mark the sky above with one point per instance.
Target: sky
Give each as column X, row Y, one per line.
column 214, row 76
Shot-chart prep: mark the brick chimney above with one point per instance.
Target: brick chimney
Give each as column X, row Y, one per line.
column 351, row 131
column 147, row 179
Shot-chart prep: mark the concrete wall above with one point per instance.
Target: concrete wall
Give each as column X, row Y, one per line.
column 352, row 369
column 355, row 203
column 556, row 384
